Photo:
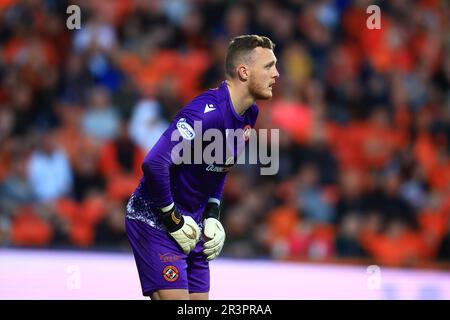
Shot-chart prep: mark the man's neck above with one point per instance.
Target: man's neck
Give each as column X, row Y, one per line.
column 240, row 97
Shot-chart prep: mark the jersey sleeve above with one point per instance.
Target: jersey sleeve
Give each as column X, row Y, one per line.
column 159, row 160
column 217, row 192
column 156, row 170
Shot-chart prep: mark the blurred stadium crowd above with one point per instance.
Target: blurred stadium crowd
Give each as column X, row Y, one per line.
column 364, row 119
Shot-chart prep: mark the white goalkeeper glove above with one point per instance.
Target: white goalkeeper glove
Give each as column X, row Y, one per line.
column 213, row 231
column 183, row 229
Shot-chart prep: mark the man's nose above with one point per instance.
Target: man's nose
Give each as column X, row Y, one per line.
column 277, row 74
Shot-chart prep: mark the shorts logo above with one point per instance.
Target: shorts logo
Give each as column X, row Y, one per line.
column 170, row 273
column 168, row 257
column 185, row 129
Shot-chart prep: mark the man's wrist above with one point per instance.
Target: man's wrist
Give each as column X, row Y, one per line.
column 171, row 218
column 212, row 209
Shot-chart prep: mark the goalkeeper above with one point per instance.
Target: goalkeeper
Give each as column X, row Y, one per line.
column 173, row 217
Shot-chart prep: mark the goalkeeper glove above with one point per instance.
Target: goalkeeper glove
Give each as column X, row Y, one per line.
column 183, row 229
column 213, row 230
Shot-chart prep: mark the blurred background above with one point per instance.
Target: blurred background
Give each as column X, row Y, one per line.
column 364, row 119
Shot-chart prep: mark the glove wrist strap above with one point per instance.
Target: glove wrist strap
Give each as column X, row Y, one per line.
column 212, row 210
column 172, row 219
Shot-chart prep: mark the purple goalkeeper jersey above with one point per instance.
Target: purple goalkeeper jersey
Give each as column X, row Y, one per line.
column 190, row 185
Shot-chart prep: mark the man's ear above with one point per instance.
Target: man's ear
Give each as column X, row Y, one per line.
column 243, row 72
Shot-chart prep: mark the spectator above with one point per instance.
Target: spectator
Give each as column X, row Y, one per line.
column 444, row 246
column 146, row 124
column 15, row 191
column 347, row 239
column 311, row 198
column 101, row 120
column 49, row 170
column 120, row 165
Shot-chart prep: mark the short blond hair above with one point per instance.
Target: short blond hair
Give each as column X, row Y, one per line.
column 241, row 46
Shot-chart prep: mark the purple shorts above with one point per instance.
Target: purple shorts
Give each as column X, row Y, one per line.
column 162, row 264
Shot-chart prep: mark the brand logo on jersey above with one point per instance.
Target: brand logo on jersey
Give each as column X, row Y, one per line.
column 208, row 108
column 229, row 161
column 213, row 168
column 170, row 273
column 185, row 129
column 228, row 164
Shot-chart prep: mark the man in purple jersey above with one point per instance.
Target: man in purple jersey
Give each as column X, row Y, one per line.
column 175, row 200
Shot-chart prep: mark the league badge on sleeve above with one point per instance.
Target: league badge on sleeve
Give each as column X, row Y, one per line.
column 185, row 129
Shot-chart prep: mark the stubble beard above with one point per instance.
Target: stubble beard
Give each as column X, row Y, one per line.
column 258, row 91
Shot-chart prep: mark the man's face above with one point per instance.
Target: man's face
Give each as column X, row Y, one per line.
column 263, row 73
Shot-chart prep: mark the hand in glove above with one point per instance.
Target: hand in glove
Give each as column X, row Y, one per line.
column 213, row 231
column 183, row 229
